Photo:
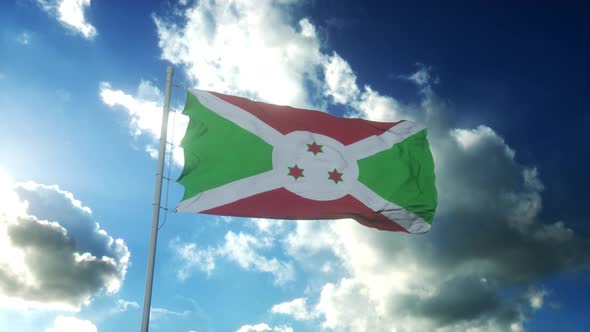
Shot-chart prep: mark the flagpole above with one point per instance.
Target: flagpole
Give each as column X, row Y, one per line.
column 149, row 278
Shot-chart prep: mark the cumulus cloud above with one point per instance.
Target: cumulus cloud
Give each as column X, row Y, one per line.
column 70, row 13
column 144, row 110
column 487, row 238
column 53, row 254
column 385, row 290
column 242, row 249
column 71, row 324
column 245, row 48
column 263, row 327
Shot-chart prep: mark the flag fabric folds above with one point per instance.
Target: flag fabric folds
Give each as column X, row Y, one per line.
column 251, row 159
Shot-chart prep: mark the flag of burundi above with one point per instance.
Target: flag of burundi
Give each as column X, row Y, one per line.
column 252, row 159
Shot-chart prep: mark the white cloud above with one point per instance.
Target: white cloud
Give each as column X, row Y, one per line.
column 144, row 109
column 71, row 324
column 536, row 298
column 473, row 138
column 269, row 226
column 53, row 254
column 399, row 299
column 310, row 237
column 145, row 115
column 241, row 249
column 192, row 257
column 123, row 305
column 296, row 308
column 422, row 77
column 245, row 48
column 372, row 105
column 152, row 151
column 340, row 80
column 348, row 305
column 70, row 13
column 263, row 327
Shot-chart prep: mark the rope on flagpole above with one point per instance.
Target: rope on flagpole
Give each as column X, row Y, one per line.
column 170, row 159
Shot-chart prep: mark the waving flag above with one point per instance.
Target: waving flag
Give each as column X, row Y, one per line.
column 252, row 159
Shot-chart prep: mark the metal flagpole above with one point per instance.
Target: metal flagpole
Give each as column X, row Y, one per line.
column 149, row 278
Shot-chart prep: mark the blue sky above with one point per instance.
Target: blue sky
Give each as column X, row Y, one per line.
column 501, row 87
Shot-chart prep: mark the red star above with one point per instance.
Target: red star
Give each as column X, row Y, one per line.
column 335, row 176
column 295, row 172
column 314, row 148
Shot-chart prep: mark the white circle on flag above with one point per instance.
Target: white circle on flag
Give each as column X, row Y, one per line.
column 293, row 151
